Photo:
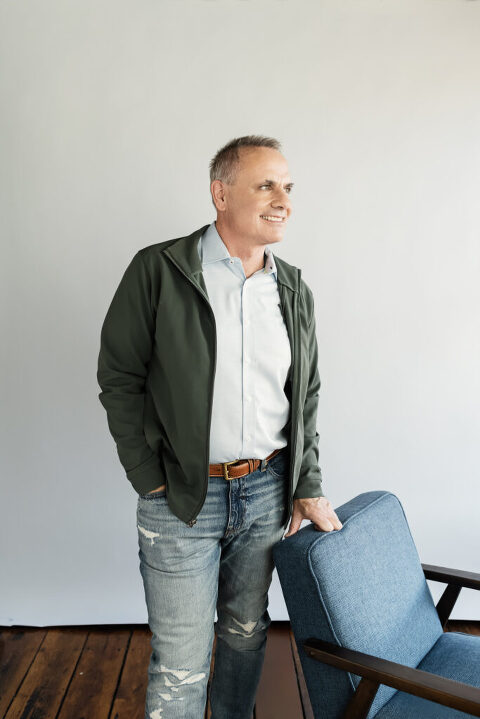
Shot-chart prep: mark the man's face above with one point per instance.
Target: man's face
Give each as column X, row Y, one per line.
column 261, row 191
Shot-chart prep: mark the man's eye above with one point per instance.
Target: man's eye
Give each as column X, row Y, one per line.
column 288, row 189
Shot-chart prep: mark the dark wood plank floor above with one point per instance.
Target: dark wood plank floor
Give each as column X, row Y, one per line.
column 101, row 672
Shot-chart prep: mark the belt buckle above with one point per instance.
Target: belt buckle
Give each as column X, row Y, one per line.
column 225, row 470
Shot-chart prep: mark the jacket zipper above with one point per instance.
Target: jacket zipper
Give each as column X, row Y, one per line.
column 295, row 359
column 294, row 366
column 201, row 293
column 296, row 323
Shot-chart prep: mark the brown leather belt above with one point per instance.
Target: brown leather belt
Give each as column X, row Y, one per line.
column 238, row 467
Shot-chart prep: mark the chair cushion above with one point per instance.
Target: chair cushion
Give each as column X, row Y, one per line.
column 360, row 587
column 454, row 656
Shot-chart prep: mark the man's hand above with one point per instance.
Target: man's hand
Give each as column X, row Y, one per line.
column 319, row 510
column 157, row 489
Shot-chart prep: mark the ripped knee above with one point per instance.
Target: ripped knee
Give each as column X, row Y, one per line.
column 173, row 682
column 245, row 629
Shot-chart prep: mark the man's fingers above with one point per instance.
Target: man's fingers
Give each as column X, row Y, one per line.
column 335, row 521
column 293, row 528
column 324, row 524
column 322, row 515
column 329, row 523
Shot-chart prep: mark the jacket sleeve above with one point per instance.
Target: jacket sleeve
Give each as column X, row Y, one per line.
column 310, row 477
column 126, row 342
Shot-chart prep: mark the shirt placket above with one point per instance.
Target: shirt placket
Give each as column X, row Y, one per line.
column 248, row 369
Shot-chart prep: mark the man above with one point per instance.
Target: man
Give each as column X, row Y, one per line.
column 208, row 370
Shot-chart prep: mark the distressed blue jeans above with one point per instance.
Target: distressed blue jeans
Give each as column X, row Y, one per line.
column 223, row 562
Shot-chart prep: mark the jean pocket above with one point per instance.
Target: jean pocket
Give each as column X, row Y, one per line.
column 154, row 495
column 278, row 465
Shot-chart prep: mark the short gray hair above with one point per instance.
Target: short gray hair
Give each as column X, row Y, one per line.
column 224, row 165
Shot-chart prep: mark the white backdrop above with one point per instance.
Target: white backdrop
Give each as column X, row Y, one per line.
column 111, row 111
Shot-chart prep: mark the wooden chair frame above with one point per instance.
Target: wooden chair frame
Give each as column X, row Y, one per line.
column 375, row 670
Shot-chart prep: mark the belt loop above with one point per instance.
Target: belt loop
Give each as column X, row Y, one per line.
column 263, row 465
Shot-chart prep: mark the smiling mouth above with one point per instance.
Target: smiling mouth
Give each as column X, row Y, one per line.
column 273, row 219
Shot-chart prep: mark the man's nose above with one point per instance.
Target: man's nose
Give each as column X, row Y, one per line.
column 282, row 199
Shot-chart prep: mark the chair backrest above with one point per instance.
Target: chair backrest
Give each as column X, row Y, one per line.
column 360, row 587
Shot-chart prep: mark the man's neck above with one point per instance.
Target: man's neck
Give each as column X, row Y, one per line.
column 252, row 257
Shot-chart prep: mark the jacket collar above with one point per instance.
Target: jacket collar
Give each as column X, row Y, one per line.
column 184, row 251
column 212, row 248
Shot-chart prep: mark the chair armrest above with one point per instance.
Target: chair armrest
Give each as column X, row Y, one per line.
column 448, row 692
column 459, row 577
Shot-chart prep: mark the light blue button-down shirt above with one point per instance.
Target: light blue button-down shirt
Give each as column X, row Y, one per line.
column 250, row 407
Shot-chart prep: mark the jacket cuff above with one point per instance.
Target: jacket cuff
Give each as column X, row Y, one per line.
column 149, row 475
column 309, row 486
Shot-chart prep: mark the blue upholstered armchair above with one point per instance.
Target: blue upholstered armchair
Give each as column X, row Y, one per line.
column 370, row 639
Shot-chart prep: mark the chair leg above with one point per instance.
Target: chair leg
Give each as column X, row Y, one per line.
column 361, row 701
column 447, row 602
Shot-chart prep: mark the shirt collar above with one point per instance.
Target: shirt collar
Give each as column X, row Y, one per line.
column 211, row 248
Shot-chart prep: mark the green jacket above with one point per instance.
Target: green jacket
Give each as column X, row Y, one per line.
column 156, row 369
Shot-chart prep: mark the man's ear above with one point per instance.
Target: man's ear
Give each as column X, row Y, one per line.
column 219, row 198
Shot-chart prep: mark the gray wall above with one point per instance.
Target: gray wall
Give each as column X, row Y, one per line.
column 111, row 112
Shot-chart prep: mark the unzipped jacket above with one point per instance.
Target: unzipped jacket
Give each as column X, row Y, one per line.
column 156, row 370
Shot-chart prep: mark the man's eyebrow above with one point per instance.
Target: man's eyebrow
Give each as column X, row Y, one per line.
column 272, row 182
